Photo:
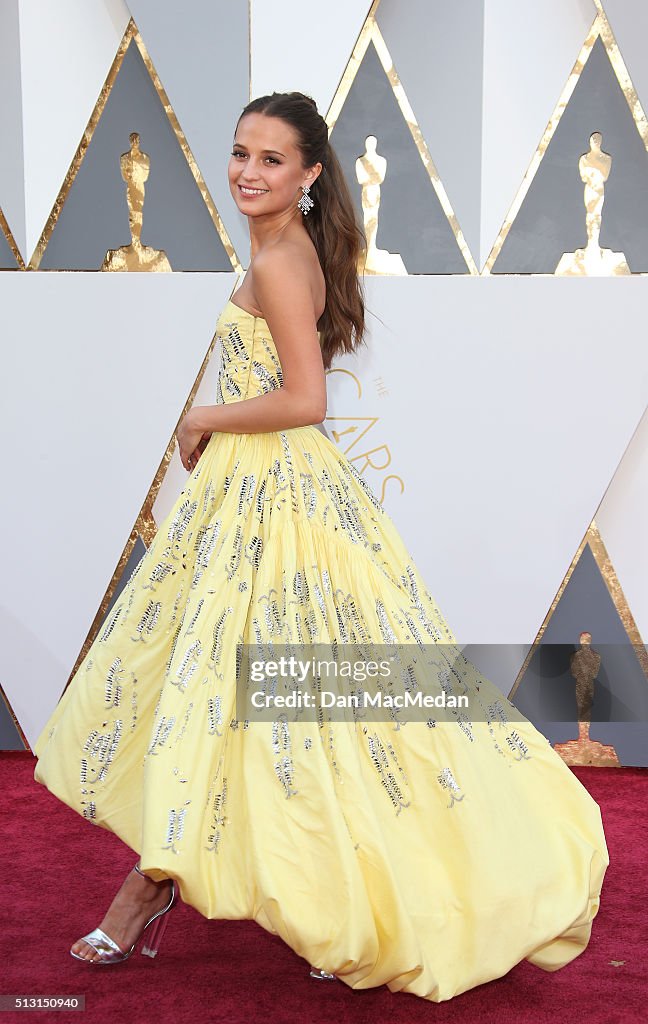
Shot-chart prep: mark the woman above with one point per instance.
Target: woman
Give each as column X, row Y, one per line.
column 383, row 852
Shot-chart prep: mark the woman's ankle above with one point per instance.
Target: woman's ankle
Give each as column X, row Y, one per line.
column 156, row 881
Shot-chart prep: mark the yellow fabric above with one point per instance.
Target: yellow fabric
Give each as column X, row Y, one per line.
column 427, row 857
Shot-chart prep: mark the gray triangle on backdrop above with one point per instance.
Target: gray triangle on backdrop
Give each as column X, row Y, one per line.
column 547, row 696
column 411, row 220
column 433, row 45
column 10, row 738
column 628, row 20
column 94, row 217
column 200, row 50
column 133, row 561
column 7, row 259
column 551, row 219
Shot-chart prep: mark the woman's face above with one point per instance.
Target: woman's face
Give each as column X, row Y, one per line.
column 265, row 170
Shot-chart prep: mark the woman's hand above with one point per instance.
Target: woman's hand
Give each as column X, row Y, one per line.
column 192, row 441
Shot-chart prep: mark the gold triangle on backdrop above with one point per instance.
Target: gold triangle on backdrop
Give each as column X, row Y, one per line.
column 615, row 590
column 3, row 696
column 132, row 34
column 370, row 33
column 11, row 242
column 600, row 30
column 145, row 525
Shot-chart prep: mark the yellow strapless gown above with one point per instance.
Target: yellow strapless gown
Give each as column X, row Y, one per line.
column 429, row 857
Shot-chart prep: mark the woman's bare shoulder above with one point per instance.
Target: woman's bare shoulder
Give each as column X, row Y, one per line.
column 288, row 265
column 287, row 252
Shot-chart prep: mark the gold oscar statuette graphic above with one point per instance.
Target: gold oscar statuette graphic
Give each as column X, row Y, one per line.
column 584, row 665
column 135, row 166
column 594, row 167
column 370, row 171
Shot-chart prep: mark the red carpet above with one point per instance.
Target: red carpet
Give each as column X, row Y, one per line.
column 60, row 875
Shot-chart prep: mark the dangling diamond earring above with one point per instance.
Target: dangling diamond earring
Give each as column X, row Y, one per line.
column 305, row 202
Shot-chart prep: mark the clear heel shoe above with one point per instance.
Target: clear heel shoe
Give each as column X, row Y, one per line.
column 322, row 975
column 152, row 932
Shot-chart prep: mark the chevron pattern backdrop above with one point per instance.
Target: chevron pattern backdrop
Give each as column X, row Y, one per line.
column 508, row 441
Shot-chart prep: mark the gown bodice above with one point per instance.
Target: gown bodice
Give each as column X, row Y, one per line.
column 250, row 364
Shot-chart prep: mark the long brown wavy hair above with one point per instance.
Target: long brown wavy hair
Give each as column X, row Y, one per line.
column 331, row 223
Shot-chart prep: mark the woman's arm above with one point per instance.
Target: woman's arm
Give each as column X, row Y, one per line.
column 282, row 287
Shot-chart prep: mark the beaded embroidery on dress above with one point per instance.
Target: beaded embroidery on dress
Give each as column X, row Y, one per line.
column 431, row 856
